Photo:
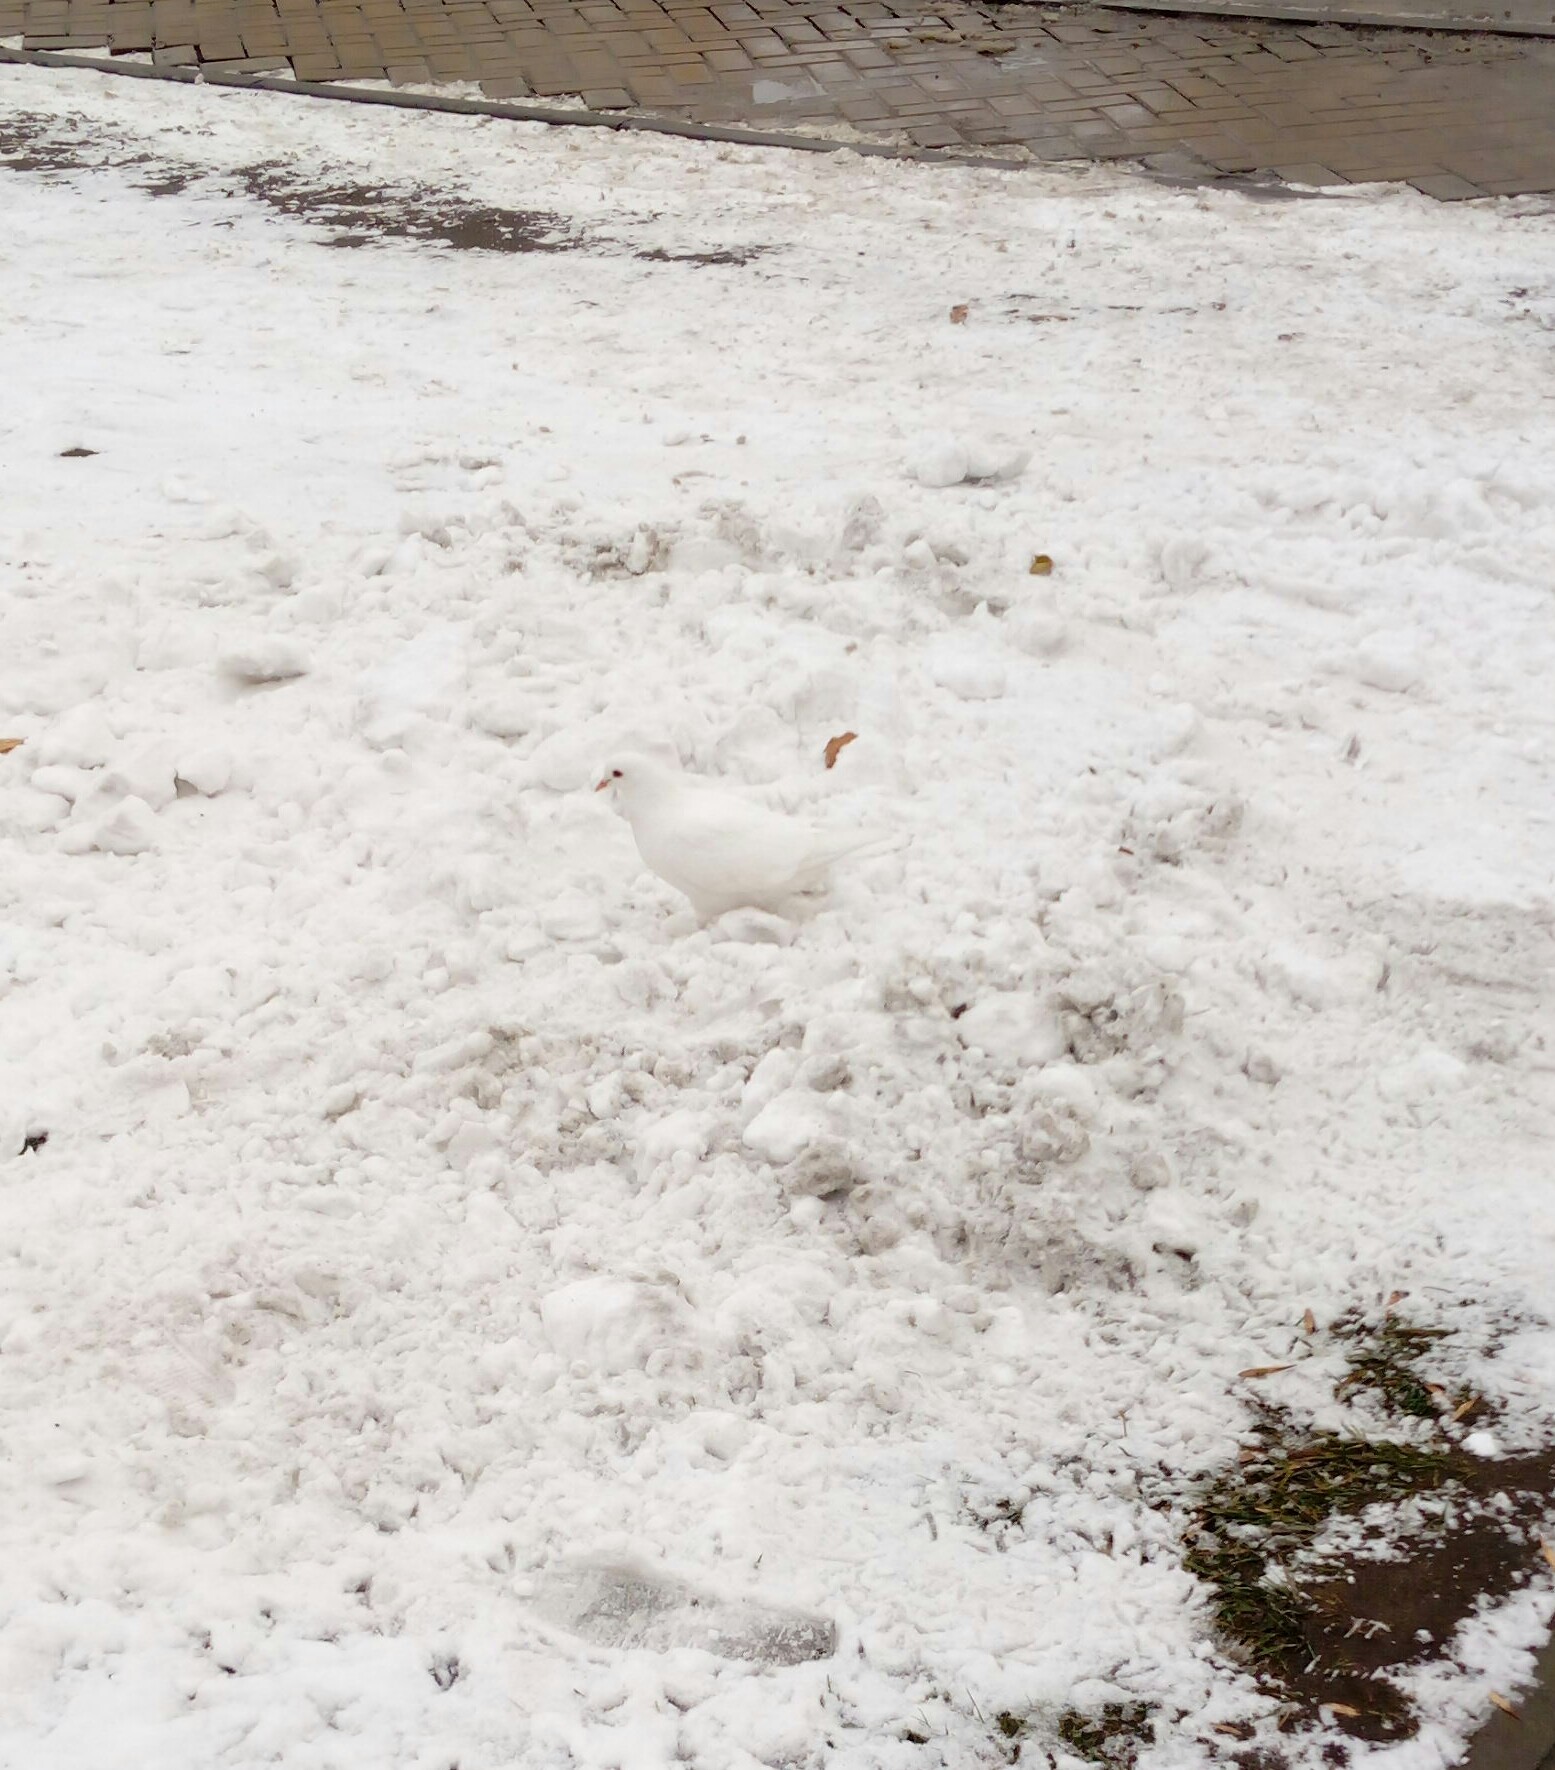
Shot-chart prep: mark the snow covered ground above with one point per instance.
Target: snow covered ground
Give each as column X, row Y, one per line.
column 432, row 1214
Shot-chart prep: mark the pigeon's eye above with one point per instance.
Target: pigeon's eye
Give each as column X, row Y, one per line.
column 615, row 774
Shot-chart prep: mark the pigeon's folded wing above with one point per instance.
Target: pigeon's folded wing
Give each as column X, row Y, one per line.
column 714, row 845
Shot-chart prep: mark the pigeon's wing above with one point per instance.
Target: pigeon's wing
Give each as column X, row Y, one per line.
column 717, row 846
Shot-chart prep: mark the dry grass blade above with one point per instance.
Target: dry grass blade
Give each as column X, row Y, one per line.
column 1465, row 1408
column 1500, row 1702
column 835, row 746
column 9, row 744
column 1342, row 1708
column 1265, row 1370
column 1547, row 1550
column 1275, row 1504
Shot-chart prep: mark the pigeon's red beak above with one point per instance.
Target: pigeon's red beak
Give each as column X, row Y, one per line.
column 603, row 784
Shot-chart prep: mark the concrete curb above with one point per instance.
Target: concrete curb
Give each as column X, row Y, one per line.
column 1526, row 1741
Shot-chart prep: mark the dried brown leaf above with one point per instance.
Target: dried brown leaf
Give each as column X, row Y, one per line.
column 1265, row 1370
column 1309, row 1321
column 1237, row 1729
column 1397, row 1297
column 1041, row 565
column 959, row 312
column 1500, row 1702
column 9, row 744
column 835, row 746
column 1547, row 1550
column 1465, row 1408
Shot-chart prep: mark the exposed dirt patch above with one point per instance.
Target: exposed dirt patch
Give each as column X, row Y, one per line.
column 26, row 146
column 1446, row 1534
column 1333, row 1560
column 1323, row 1629
column 345, row 214
column 733, row 255
column 359, row 214
column 1112, row 1737
column 1378, row 1615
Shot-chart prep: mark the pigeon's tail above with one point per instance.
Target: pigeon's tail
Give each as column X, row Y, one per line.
column 827, row 852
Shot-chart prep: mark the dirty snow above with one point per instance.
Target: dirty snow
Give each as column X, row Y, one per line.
column 462, row 1308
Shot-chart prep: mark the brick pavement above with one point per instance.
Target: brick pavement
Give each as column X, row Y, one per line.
column 1456, row 114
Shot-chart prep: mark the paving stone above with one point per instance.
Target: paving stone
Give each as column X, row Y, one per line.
column 1307, row 174
column 652, row 90
column 933, row 135
column 1446, row 187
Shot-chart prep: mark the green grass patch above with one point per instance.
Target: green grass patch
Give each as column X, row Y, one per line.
column 1384, row 1362
column 1270, row 1509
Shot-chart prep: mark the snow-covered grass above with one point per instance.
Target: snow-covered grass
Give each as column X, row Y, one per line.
column 401, row 1236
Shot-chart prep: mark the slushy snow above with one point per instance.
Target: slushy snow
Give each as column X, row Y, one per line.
column 459, row 1312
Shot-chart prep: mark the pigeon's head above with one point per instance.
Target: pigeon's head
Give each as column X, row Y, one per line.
column 630, row 779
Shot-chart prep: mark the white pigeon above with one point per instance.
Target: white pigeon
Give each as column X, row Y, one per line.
column 721, row 850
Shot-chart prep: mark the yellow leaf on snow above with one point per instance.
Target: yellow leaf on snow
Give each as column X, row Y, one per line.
column 835, row 746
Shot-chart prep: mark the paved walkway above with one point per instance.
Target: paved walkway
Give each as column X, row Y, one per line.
column 1455, row 114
